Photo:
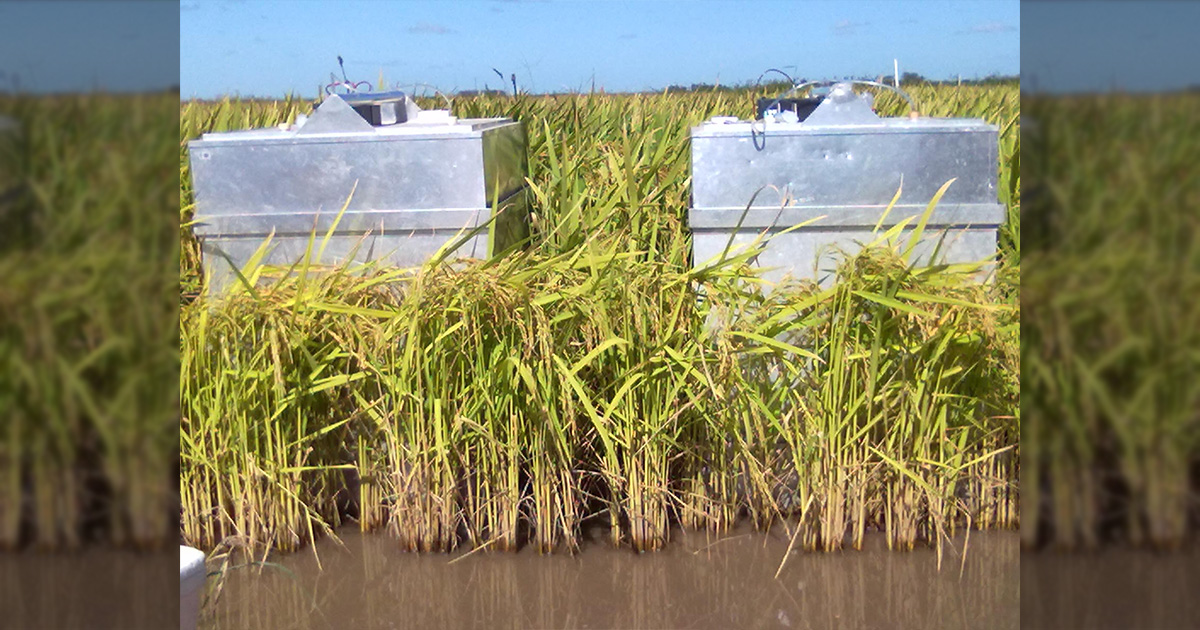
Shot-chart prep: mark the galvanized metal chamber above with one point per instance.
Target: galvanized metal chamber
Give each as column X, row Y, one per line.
column 837, row 160
column 385, row 180
column 392, row 183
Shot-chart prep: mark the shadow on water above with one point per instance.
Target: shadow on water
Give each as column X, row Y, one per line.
column 697, row 582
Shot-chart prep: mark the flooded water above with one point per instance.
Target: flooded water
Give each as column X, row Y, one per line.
column 696, row 583
column 1113, row 588
column 93, row 589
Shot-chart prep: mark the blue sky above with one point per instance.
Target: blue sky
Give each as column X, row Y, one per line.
column 213, row 47
column 264, row 48
column 73, row 46
column 1096, row 46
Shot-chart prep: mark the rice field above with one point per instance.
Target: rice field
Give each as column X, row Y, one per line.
column 508, row 402
column 88, row 410
column 1110, row 327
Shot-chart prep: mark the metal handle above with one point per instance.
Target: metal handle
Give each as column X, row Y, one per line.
column 436, row 92
column 912, row 104
column 350, row 87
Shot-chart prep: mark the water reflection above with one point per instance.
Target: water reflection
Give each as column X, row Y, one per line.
column 693, row 584
column 92, row 589
column 1114, row 588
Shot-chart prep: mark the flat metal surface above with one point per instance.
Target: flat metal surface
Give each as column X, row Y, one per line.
column 296, row 223
column 404, row 248
column 461, row 127
column 505, row 163
column 411, row 185
column 239, row 173
column 946, row 214
column 839, row 169
column 255, row 224
column 310, row 178
column 814, row 254
column 852, row 165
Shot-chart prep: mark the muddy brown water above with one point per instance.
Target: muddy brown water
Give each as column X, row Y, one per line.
column 371, row 584
column 1114, row 588
column 92, row 589
column 697, row 582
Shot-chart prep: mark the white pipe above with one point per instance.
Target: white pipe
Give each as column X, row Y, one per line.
column 192, row 576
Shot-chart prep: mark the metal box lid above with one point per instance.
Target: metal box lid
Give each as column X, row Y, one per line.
column 426, row 170
column 843, row 162
column 336, row 119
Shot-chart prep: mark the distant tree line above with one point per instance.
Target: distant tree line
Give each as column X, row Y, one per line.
column 482, row 92
column 907, row 78
column 910, row 78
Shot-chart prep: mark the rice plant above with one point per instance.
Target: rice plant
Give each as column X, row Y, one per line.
column 1109, row 336
column 88, row 409
column 505, row 402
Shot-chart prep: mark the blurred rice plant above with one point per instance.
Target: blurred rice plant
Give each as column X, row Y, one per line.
column 88, row 441
column 1112, row 324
